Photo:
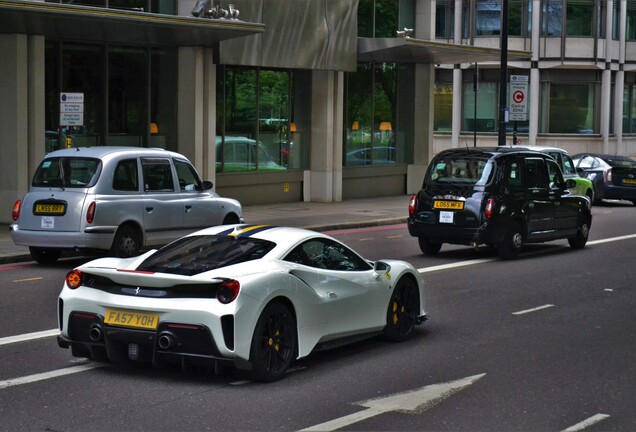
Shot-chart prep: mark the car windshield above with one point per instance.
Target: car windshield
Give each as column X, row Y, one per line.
column 67, row 172
column 197, row 254
column 465, row 170
column 621, row 162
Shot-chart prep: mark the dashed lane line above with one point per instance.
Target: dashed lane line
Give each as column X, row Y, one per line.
column 538, row 308
column 29, row 336
column 586, row 423
column 48, row 375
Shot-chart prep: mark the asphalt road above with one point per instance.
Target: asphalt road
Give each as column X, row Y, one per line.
column 543, row 343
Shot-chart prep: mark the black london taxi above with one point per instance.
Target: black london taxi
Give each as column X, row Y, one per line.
column 498, row 196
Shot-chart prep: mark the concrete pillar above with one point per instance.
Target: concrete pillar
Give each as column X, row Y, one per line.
column 196, row 108
column 534, row 89
column 423, row 128
column 21, row 114
column 327, row 113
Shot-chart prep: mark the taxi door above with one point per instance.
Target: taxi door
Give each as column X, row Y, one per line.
column 162, row 207
column 539, row 206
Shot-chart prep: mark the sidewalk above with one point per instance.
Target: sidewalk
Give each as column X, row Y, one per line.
column 317, row 216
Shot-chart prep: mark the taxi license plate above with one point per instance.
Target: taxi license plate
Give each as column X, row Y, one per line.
column 49, row 209
column 131, row 319
column 629, row 181
column 448, row 205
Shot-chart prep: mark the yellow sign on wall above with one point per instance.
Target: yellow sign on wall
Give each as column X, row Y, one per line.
column 285, row 187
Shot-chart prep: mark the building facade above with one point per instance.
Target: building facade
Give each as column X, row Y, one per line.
column 288, row 100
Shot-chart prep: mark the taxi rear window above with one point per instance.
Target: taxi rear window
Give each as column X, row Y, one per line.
column 460, row 170
column 67, row 172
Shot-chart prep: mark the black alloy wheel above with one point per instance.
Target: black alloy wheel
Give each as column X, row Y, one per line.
column 274, row 343
column 403, row 310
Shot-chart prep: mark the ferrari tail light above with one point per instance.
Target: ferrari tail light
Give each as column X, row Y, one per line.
column 90, row 214
column 490, row 208
column 412, row 205
column 74, row 279
column 228, row 291
column 16, row 210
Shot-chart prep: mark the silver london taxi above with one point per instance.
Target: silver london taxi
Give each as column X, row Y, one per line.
column 117, row 199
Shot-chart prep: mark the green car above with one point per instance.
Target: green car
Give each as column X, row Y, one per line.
column 584, row 186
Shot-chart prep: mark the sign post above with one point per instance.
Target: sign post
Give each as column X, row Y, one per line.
column 518, row 101
column 71, row 111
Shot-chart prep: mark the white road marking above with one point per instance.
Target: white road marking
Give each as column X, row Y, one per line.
column 585, row 423
column 29, row 336
column 485, row 260
column 410, row 402
column 48, row 375
column 538, row 308
column 455, row 265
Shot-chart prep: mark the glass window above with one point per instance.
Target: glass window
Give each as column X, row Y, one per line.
column 630, row 32
column 127, row 96
column 187, row 176
column 444, row 19
column 157, row 175
column 580, row 18
column 163, row 99
column 126, row 178
column 255, row 125
column 67, row 172
column 381, row 18
column 443, row 111
column 629, row 109
column 536, row 174
column 485, row 117
column 465, row 170
column 520, row 18
column 487, row 17
column 552, row 18
column 197, row 254
column 371, row 116
column 327, row 254
column 578, row 100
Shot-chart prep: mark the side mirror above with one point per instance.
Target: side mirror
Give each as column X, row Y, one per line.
column 381, row 268
column 206, row 185
column 570, row 183
column 580, row 172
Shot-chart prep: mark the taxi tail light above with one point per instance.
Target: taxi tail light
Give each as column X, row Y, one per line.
column 74, row 279
column 227, row 291
column 490, row 208
column 608, row 175
column 90, row 213
column 16, row 210
column 412, row 205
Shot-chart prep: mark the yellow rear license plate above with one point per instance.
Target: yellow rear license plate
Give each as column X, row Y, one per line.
column 629, row 181
column 50, row 209
column 449, row 205
column 131, row 319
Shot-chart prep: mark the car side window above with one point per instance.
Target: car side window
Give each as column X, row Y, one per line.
column 535, row 174
column 568, row 166
column 187, row 175
column 157, row 175
column 587, row 162
column 126, row 178
column 512, row 175
column 556, row 177
column 327, row 254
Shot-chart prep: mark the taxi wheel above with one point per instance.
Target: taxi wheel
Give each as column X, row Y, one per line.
column 44, row 255
column 582, row 233
column 273, row 343
column 231, row 219
column 401, row 315
column 510, row 247
column 427, row 247
column 127, row 242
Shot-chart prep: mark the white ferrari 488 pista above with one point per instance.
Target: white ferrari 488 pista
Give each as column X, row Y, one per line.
column 252, row 295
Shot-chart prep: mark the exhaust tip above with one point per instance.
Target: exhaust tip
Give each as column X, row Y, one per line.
column 95, row 333
column 166, row 341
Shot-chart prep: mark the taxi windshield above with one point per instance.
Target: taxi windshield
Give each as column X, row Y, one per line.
column 464, row 170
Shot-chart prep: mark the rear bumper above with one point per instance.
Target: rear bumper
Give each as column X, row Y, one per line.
column 487, row 233
column 95, row 238
column 617, row 192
